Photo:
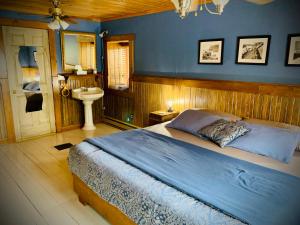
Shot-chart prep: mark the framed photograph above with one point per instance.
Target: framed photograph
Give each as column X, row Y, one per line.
column 253, row 50
column 211, row 51
column 293, row 50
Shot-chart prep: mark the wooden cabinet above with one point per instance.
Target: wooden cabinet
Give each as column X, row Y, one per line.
column 161, row 116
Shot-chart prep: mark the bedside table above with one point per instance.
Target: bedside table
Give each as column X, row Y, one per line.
column 161, row 116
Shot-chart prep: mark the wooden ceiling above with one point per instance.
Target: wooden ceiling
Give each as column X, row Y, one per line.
column 99, row 10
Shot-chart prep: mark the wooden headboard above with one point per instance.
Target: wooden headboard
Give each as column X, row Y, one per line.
column 275, row 102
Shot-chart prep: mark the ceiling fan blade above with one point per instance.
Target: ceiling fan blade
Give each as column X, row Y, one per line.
column 260, row 2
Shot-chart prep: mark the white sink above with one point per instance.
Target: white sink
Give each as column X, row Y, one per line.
column 88, row 96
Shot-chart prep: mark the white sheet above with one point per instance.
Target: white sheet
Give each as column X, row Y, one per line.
column 292, row 168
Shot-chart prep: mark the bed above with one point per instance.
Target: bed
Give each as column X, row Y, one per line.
column 120, row 191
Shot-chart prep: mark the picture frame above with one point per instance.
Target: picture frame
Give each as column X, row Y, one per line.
column 253, row 50
column 293, row 50
column 210, row 51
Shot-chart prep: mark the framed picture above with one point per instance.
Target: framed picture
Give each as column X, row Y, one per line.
column 293, row 50
column 253, row 50
column 211, row 51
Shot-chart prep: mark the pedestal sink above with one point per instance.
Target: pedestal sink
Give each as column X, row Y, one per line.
column 88, row 96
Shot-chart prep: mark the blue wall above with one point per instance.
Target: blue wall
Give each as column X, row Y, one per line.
column 166, row 45
column 82, row 25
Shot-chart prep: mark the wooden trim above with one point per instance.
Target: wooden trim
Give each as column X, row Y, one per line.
column 11, row 137
column 249, row 87
column 120, row 37
column 52, row 50
column 23, row 23
column 3, row 69
column 87, row 196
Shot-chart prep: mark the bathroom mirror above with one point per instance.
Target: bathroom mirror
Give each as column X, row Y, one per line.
column 78, row 49
column 29, row 67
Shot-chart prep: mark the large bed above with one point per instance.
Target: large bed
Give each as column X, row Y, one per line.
column 125, row 194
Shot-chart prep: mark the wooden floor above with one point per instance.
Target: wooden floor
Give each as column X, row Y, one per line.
column 36, row 185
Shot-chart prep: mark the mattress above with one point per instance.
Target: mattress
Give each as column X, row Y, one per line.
column 148, row 201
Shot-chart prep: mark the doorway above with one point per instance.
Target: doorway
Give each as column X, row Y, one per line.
column 29, row 76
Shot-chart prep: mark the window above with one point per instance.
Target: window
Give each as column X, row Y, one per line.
column 119, row 61
column 118, row 65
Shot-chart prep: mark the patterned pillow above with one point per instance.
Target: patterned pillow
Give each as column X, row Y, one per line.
column 222, row 132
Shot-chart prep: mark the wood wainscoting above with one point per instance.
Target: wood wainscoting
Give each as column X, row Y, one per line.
column 72, row 111
column 118, row 105
column 273, row 102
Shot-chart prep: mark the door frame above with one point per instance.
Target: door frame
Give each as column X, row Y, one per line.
column 54, row 73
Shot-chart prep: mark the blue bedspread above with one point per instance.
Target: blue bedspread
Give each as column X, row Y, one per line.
column 248, row 192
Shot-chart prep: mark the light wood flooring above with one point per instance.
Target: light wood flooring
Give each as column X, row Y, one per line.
column 36, row 184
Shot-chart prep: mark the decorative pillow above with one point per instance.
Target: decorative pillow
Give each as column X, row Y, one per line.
column 277, row 143
column 223, row 132
column 192, row 120
column 290, row 127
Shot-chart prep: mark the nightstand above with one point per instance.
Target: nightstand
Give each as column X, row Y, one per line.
column 161, row 116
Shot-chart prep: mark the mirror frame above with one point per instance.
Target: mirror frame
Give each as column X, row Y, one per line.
column 62, row 40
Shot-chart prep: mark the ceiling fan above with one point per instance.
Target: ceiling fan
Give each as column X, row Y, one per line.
column 58, row 19
column 183, row 7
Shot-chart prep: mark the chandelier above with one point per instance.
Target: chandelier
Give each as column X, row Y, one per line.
column 184, row 7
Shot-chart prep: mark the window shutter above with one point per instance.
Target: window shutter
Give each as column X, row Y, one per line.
column 118, row 66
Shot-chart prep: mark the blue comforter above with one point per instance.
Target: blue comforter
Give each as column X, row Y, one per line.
column 248, row 192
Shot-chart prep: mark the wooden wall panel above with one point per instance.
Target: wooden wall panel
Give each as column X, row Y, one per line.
column 118, row 107
column 7, row 110
column 72, row 111
column 3, row 69
column 150, row 97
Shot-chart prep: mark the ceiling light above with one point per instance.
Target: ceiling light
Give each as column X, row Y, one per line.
column 184, row 7
column 56, row 23
column 63, row 24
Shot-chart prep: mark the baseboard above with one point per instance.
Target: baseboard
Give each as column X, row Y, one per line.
column 119, row 124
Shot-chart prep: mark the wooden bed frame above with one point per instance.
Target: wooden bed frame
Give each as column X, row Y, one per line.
column 88, row 197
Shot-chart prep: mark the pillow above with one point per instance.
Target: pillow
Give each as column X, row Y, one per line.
column 276, row 124
column 274, row 142
column 228, row 116
column 223, row 132
column 192, row 120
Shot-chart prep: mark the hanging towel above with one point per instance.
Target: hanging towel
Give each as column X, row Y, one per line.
column 34, row 101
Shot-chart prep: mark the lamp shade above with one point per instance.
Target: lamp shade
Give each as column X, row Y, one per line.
column 54, row 25
column 63, row 24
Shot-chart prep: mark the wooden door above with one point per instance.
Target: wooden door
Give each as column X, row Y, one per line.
column 36, row 123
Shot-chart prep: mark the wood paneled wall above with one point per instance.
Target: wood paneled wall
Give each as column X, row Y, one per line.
column 245, row 99
column 72, row 111
column 118, row 106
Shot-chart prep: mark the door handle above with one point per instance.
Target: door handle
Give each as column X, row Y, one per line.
column 14, row 92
